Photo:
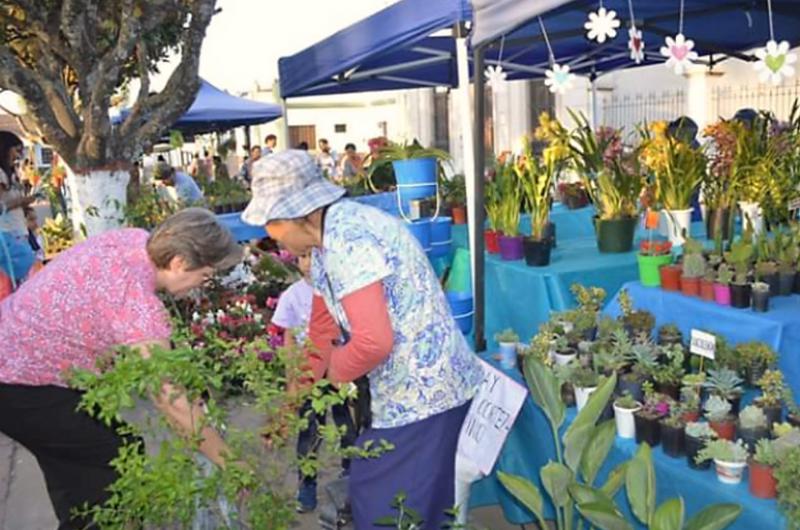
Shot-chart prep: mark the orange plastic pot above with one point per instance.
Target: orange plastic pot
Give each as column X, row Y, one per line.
column 670, row 277
column 762, row 481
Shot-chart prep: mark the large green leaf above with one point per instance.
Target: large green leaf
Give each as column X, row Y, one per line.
column 556, row 479
column 577, row 436
column 615, row 480
column 524, row 492
column 596, row 451
column 714, row 517
column 668, row 516
column 640, row 483
column 545, row 391
column 604, row 516
column 583, row 494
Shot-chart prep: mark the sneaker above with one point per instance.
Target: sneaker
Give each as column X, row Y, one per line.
column 307, row 498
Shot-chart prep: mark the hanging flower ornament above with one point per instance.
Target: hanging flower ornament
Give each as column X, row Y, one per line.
column 636, row 44
column 679, row 53
column 559, row 79
column 775, row 62
column 495, row 77
column 602, row 25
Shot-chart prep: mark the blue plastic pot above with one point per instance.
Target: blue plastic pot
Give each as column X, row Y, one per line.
column 508, row 355
column 461, row 307
column 421, row 228
column 441, row 237
column 416, row 178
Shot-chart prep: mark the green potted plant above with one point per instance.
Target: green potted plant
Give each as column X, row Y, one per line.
column 455, row 193
column 786, row 265
column 625, row 407
column 707, row 285
column 698, row 434
column 694, row 267
column 644, row 359
column 672, row 433
column 494, row 216
column 637, row 322
column 787, row 476
column 653, row 255
column 760, row 294
column 668, row 373
column 725, row 383
column 584, row 381
column 773, row 389
column 507, row 341
column 648, row 419
column 722, row 287
column 536, row 177
column 762, row 470
column 740, row 256
column 755, row 357
column 730, row 459
column 669, row 334
column 510, row 205
column 690, row 402
column 752, row 426
column 767, row 272
column 562, row 351
column 721, row 181
column 718, row 411
column 416, row 168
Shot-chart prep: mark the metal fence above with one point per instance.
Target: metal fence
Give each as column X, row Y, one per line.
column 726, row 100
column 632, row 109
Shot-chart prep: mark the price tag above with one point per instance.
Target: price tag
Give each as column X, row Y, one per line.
column 703, row 344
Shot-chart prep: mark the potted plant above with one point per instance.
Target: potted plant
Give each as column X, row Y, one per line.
column 647, row 419
column 652, row 256
column 707, row 284
column 787, row 249
column 694, row 267
column 667, row 374
column 669, row 334
column 690, row 403
column 718, row 412
column 672, row 433
column 416, row 168
column 762, row 467
column 760, row 295
column 455, row 192
column 510, row 205
column 590, row 302
column 507, row 341
column 573, row 195
column 584, row 381
column 698, row 434
column 752, row 426
column 722, row 287
column 773, row 389
column 494, row 215
column 725, row 383
column 767, row 272
column 730, row 459
column 787, row 475
column 637, row 322
column 670, row 276
column 721, row 181
column 624, row 409
column 536, row 177
column 740, row 257
column 562, row 351
column 644, row 359
column 755, row 357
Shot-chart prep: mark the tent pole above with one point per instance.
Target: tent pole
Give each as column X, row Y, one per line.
column 285, row 126
column 476, row 206
column 595, row 116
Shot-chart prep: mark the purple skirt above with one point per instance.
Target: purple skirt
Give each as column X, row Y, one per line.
column 421, row 465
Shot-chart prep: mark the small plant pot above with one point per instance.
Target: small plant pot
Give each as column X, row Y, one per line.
column 760, row 301
column 762, row 481
column 616, row 235
column 649, row 266
column 648, row 430
column 786, row 283
column 692, row 447
column 793, row 420
column 626, row 424
column 508, row 355
column 459, row 214
column 729, row 472
column 707, row 291
column 726, row 430
column 773, row 280
column 690, row 286
column 736, row 404
column 563, row 358
column 670, row 277
column 740, row 296
column 673, row 391
column 582, row 395
column 492, row 240
column 633, row 387
column 722, row 294
column 690, row 416
column 568, row 394
column 753, row 372
column 511, row 248
column 672, row 440
column 773, row 415
column 537, row 253
column 751, row 436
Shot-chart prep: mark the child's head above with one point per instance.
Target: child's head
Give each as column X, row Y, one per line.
column 304, row 264
column 31, row 220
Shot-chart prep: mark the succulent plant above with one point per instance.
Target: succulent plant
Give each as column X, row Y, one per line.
column 756, row 353
column 700, row 430
column 765, row 268
column 690, row 398
column 694, row 266
column 724, row 382
column 724, row 274
column 717, row 409
column 507, row 336
column 760, row 287
column 772, row 388
column 782, row 429
column 740, row 257
column 627, row 402
column 751, row 418
column 723, row 450
column 765, row 453
column 584, row 377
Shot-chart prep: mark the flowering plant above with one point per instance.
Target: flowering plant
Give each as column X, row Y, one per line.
column 655, row 248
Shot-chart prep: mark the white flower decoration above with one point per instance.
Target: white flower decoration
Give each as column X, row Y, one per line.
column 495, row 77
column 679, row 53
column 559, row 79
column 636, row 44
column 775, row 62
column 602, row 25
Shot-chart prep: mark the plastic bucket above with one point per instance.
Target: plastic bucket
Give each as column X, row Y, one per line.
column 649, row 268
column 421, row 229
column 441, row 237
column 416, row 178
column 461, row 307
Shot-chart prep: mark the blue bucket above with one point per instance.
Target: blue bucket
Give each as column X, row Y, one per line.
column 441, row 237
column 421, row 229
column 416, row 178
column 461, row 307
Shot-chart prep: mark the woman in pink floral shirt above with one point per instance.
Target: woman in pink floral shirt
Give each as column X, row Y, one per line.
column 94, row 297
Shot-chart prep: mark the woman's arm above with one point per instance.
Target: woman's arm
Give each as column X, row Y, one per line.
column 323, row 332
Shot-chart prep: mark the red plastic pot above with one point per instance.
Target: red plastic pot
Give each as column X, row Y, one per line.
column 492, row 239
column 670, row 277
column 762, row 481
column 724, row 429
column 690, row 416
column 722, row 293
column 459, row 214
column 707, row 290
column 690, row 286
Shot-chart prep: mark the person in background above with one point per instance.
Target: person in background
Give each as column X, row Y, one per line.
column 35, row 239
column 186, row 189
column 135, row 183
column 326, row 160
column 746, row 116
column 244, row 171
column 255, row 156
column 207, row 166
column 292, row 315
column 302, row 146
column 220, row 170
column 97, row 296
column 351, row 164
column 378, row 310
column 16, row 256
column 270, row 144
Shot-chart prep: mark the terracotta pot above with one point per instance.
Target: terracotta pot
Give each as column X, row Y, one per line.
column 707, row 290
column 724, row 429
column 690, row 286
column 670, row 277
column 762, row 481
column 492, row 239
column 459, row 214
column 691, row 415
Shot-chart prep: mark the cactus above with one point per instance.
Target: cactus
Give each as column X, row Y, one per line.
column 740, row 256
column 724, row 274
column 694, row 266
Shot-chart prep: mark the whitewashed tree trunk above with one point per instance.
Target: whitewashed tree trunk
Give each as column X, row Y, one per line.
column 96, row 200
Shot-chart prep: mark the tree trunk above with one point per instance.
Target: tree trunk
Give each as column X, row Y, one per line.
column 96, row 200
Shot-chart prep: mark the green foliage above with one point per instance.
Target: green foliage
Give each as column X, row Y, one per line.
column 772, row 388
column 741, row 256
column 507, row 336
column 148, row 210
column 765, row 453
column 724, row 382
column 454, row 190
column 717, row 408
column 752, row 417
column 724, row 450
column 700, row 430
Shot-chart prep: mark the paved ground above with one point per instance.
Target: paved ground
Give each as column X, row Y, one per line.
column 24, row 504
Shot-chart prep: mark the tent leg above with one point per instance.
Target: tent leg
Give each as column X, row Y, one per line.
column 476, row 207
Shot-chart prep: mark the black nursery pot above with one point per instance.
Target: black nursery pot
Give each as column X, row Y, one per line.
column 751, row 436
column 537, row 253
column 550, row 233
column 773, row 280
column 773, row 414
column 634, row 387
column 692, row 447
column 672, row 440
column 760, row 301
column 736, row 403
column 797, row 283
column 740, row 295
column 753, row 373
column 786, row 281
column 647, row 430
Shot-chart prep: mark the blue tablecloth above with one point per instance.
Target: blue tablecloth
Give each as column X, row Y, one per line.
column 779, row 327
column 530, row 446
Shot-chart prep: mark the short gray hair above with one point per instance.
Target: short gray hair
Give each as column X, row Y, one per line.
column 195, row 235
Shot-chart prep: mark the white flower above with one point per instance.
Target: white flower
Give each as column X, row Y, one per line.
column 220, row 314
column 209, row 320
column 559, row 79
column 195, row 316
column 775, row 62
column 258, row 317
column 602, row 25
column 636, row 44
column 495, row 77
column 679, row 53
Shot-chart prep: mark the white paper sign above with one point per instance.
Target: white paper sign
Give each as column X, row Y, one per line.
column 491, row 415
column 703, row 344
column 794, row 204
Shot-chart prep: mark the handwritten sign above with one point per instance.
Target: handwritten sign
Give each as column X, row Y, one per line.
column 492, row 414
column 703, row 344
